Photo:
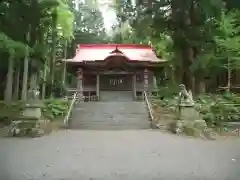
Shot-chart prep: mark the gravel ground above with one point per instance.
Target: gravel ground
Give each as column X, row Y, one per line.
column 118, row 155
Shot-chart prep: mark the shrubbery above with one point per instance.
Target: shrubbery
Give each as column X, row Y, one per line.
column 8, row 112
column 53, row 109
column 215, row 108
column 219, row 108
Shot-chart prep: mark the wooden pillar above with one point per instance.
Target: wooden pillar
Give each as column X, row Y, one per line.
column 80, row 83
column 97, row 87
column 154, row 82
column 145, row 80
column 134, row 86
column 237, row 77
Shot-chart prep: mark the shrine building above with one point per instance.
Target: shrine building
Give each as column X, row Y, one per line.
column 103, row 69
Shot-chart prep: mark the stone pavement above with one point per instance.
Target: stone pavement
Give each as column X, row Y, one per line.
column 118, row 155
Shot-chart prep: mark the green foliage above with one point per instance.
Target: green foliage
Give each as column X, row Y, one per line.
column 224, row 47
column 219, row 108
column 168, row 91
column 88, row 25
column 215, row 108
column 55, row 108
column 228, row 40
column 10, row 111
column 13, row 48
column 65, row 20
column 205, row 28
column 165, row 97
column 38, row 25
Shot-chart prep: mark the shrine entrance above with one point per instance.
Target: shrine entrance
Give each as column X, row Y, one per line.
column 115, row 82
column 117, row 87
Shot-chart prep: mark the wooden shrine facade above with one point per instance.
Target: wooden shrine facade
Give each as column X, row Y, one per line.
column 110, row 67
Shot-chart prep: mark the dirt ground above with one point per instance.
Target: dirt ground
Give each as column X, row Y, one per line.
column 118, row 155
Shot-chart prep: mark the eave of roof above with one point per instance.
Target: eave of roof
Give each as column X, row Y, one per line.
column 101, row 52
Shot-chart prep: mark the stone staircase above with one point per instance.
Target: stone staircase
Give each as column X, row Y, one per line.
column 110, row 115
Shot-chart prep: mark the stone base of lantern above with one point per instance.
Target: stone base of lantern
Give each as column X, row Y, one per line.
column 27, row 125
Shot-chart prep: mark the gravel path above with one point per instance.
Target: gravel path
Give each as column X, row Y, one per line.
column 118, row 155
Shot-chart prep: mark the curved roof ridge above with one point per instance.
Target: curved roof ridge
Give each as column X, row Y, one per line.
column 137, row 46
column 99, row 52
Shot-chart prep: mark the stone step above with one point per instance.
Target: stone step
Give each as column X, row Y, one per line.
column 113, row 109
column 110, row 116
column 107, row 118
column 111, row 122
column 108, row 126
column 86, row 121
column 143, row 120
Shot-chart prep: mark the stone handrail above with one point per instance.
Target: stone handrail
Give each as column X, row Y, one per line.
column 70, row 108
column 149, row 106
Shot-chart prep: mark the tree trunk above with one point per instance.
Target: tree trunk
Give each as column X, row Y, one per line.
column 25, row 80
column 200, row 86
column 53, row 52
column 238, row 77
column 64, row 64
column 44, row 79
column 17, row 82
column 178, row 74
column 173, row 79
column 229, row 76
column 187, row 57
column 33, row 80
column 64, row 69
column 9, row 84
column 25, row 70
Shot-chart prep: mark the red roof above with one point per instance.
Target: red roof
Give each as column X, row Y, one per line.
column 100, row 52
